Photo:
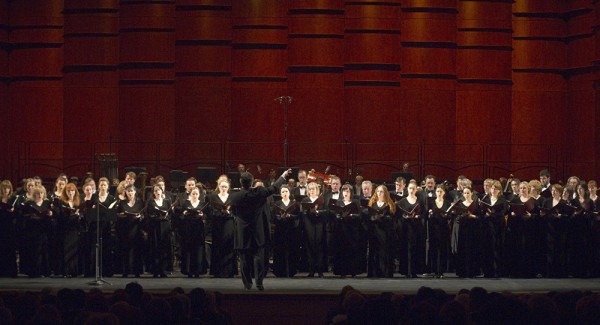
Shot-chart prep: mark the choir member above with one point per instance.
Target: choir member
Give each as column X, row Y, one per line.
column 494, row 208
column 537, row 231
column 286, row 235
column 192, row 231
column 37, row 213
column 466, row 236
column 8, row 259
column 400, row 189
column 381, row 234
column 546, row 183
column 410, row 232
column 348, row 243
column 222, row 226
column 129, row 233
column 555, row 214
column 579, row 240
column 595, row 229
column 314, row 218
column 439, row 232
column 301, row 189
column 519, row 235
column 158, row 216
column 68, row 226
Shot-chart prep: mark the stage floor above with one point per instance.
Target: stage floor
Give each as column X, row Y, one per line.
column 329, row 285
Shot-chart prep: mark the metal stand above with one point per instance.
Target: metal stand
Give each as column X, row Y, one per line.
column 98, row 281
column 285, row 101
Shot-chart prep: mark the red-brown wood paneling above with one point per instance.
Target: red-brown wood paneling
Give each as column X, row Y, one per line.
column 259, row 74
column 146, row 73
column 91, row 83
column 36, row 79
column 4, row 78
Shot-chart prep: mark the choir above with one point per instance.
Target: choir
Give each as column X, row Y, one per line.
column 513, row 228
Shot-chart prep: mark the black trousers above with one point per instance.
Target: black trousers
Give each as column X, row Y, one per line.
column 253, row 263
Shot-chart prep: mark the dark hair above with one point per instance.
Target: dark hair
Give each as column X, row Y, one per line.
column 545, row 172
column 246, row 179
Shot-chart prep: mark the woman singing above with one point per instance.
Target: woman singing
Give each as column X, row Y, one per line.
column 129, row 234
column 158, row 212
column 579, row 233
column 410, row 231
column 8, row 259
column 223, row 259
column 192, row 232
column 493, row 209
column 68, row 225
column 554, row 213
column 37, row 213
column 465, row 236
column 381, row 234
column 439, row 232
column 518, row 238
column 286, row 235
column 313, row 221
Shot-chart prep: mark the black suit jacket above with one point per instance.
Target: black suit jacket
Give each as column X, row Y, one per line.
column 252, row 221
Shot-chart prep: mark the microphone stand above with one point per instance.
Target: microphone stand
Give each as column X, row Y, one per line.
column 285, row 101
column 98, row 281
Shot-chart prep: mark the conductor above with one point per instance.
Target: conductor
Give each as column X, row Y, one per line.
column 252, row 226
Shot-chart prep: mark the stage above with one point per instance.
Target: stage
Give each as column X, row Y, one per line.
column 329, row 285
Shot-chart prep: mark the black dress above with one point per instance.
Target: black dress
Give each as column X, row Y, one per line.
column 492, row 235
column 381, row 242
column 223, row 258
column 159, row 235
column 192, row 239
column 313, row 225
column 466, row 241
column 36, row 228
column 68, row 226
column 519, row 240
column 286, row 238
column 130, row 238
column 556, row 220
column 410, row 231
column 104, row 212
column 8, row 259
column 347, row 236
column 439, row 238
column 579, row 240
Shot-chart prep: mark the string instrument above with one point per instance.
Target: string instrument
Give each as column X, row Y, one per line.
column 508, row 182
column 313, row 175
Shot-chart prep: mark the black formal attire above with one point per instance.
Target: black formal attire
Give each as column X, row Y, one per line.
column 252, row 233
column 8, row 258
column 439, row 238
column 192, row 239
column 518, row 242
column 130, row 237
column 595, row 239
column 223, row 258
column 546, row 192
column 579, row 240
column 286, row 238
column 397, row 196
column 492, row 235
column 299, row 192
column 104, row 211
column 313, row 224
column 348, row 236
column 159, row 235
column 556, row 220
column 381, row 241
column 330, row 197
column 466, row 234
column 68, row 226
column 37, row 225
column 410, row 231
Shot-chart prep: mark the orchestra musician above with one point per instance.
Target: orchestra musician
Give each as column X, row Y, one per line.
column 286, row 235
column 381, row 234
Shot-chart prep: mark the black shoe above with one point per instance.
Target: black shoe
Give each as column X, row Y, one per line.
column 260, row 287
column 311, row 275
column 190, row 275
column 162, row 275
column 321, row 275
column 155, row 276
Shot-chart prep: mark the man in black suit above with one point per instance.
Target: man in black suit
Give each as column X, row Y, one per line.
column 250, row 239
column 300, row 190
column 546, row 184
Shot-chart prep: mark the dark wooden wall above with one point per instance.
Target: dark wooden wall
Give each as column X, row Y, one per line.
column 480, row 88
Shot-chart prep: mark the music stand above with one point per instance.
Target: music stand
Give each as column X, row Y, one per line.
column 98, row 280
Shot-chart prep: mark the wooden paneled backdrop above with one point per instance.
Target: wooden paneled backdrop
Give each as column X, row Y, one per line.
column 481, row 88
